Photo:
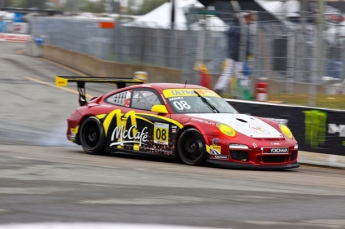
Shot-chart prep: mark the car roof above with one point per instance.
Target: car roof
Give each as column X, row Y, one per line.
column 163, row 86
column 157, row 86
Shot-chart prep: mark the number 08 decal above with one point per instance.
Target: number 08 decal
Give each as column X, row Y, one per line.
column 161, row 133
column 181, row 105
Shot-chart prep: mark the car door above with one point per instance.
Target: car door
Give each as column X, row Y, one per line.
column 140, row 129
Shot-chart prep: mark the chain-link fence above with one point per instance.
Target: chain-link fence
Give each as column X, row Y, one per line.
column 294, row 53
column 139, row 43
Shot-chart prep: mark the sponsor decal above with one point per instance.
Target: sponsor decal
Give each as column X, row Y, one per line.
column 215, row 141
column 275, row 143
column 175, row 98
column 188, row 92
column 132, row 136
column 279, row 120
column 258, row 129
column 123, row 133
column 336, row 129
column 275, row 150
column 215, row 150
column 128, row 98
column 221, row 157
column 315, row 128
column 137, row 131
column 74, row 132
column 203, row 121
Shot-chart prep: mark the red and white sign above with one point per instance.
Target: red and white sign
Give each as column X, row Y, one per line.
column 19, row 27
column 14, row 37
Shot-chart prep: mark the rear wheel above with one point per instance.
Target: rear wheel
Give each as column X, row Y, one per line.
column 92, row 136
column 191, row 147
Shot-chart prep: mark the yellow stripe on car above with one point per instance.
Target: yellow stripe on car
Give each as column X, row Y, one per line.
column 164, row 118
column 208, row 149
column 108, row 120
column 100, row 116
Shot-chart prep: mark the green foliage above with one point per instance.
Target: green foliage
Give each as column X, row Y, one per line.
column 84, row 6
column 39, row 4
column 93, row 7
column 150, row 5
column 6, row 3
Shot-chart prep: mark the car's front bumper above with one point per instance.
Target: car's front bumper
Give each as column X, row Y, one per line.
column 234, row 165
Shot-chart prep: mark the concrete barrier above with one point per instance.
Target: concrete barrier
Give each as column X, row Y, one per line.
column 97, row 67
column 318, row 159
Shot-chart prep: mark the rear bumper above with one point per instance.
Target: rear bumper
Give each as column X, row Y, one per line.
column 234, row 165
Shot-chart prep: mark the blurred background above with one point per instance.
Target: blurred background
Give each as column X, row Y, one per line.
column 298, row 45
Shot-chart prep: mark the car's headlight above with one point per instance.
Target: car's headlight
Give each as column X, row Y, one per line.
column 286, row 131
column 226, row 129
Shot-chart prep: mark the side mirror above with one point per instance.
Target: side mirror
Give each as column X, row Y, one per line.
column 159, row 109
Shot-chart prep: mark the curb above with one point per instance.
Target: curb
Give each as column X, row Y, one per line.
column 319, row 159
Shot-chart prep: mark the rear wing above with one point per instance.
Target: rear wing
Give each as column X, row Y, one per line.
column 62, row 81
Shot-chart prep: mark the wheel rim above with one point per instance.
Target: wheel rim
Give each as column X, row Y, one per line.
column 192, row 147
column 91, row 134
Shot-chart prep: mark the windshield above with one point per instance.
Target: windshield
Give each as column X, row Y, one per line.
column 186, row 101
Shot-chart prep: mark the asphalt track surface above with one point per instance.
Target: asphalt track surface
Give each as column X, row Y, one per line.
column 44, row 178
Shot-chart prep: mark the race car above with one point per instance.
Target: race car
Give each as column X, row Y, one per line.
column 186, row 121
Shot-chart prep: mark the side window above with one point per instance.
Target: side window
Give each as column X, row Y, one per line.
column 120, row 99
column 144, row 99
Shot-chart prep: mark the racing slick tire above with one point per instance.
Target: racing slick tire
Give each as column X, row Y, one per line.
column 92, row 137
column 191, row 147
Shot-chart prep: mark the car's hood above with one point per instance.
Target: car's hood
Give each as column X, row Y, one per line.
column 244, row 124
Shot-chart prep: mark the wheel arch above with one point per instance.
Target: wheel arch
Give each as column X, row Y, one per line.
column 204, row 138
column 189, row 126
column 82, row 120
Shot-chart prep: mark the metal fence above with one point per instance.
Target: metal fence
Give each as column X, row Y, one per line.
column 291, row 52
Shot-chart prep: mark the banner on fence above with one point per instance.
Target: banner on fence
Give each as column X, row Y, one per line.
column 14, row 37
column 19, row 27
column 315, row 129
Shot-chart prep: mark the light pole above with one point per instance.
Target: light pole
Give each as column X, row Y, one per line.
column 318, row 53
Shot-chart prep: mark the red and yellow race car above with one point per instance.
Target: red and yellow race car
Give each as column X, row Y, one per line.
column 186, row 121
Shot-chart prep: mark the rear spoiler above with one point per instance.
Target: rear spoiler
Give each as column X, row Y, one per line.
column 62, row 81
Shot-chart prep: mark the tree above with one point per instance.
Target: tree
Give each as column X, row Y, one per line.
column 85, row 6
column 39, row 4
column 5, row 3
column 93, row 7
column 149, row 5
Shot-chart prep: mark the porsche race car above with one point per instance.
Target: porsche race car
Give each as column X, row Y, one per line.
column 186, row 121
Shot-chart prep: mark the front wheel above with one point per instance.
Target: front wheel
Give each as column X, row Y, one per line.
column 92, row 136
column 191, row 147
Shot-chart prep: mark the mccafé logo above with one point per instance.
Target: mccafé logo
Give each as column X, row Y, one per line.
column 131, row 135
column 121, row 132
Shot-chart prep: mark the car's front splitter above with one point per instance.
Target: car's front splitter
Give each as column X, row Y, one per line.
column 232, row 165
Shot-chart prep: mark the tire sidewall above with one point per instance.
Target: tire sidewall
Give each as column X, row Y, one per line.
column 100, row 147
column 181, row 156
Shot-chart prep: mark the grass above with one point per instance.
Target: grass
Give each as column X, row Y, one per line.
column 321, row 100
